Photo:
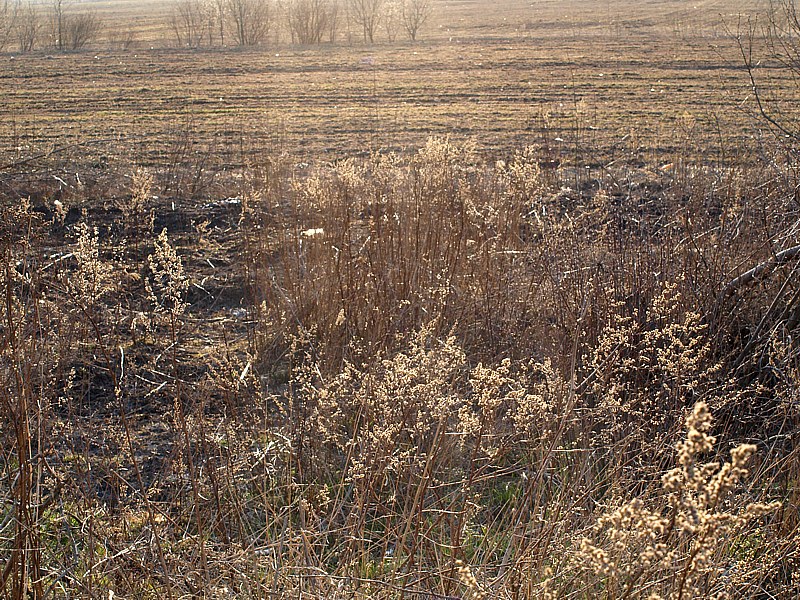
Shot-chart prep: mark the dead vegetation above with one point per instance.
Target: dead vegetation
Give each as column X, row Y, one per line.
column 430, row 373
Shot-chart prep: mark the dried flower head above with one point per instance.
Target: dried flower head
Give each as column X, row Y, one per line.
column 167, row 282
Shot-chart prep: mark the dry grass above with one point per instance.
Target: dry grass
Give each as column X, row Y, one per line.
column 445, row 372
column 438, row 363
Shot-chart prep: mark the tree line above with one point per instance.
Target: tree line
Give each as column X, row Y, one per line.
column 196, row 23
column 26, row 25
column 56, row 24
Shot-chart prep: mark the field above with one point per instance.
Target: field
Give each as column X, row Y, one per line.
column 551, row 75
column 509, row 311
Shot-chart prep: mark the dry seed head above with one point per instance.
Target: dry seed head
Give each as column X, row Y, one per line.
column 60, row 212
column 467, row 578
column 167, row 282
column 92, row 277
column 141, row 186
column 690, row 537
column 133, row 208
column 697, row 441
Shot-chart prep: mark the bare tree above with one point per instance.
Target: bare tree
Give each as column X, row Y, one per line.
column 251, row 20
column 310, row 20
column 415, row 13
column 80, row 29
column 188, row 23
column 333, row 19
column 212, row 15
column 219, row 11
column 366, row 14
column 27, row 25
column 774, row 101
column 8, row 15
column 57, row 15
column 392, row 18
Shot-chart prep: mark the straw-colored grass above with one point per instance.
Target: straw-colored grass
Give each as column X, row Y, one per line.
column 432, row 373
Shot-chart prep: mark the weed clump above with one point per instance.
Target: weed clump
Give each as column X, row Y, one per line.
column 685, row 545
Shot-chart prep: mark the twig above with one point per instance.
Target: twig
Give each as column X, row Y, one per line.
column 758, row 271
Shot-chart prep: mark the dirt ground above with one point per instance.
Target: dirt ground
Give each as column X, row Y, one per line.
column 583, row 85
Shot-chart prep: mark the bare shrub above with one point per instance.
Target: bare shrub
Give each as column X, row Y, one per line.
column 414, row 14
column 122, row 38
column 72, row 31
column 81, row 29
column 251, row 20
column 8, row 16
column 27, row 26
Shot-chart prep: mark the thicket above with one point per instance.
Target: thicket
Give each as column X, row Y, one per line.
column 405, row 376
column 23, row 25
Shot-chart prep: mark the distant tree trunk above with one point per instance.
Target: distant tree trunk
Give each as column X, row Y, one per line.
column 392, row 17
column 58, row 24
column 219, row 6
column 333, row 21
